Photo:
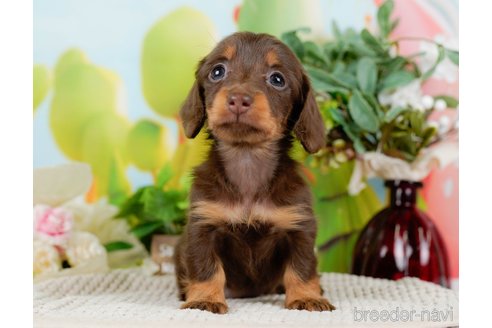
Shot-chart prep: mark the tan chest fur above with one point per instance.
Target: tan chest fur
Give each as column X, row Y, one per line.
column 215, row 213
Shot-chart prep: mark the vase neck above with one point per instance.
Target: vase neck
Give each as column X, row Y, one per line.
column 403, row 193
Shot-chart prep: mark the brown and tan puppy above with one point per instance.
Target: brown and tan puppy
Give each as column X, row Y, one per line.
column 251, row 227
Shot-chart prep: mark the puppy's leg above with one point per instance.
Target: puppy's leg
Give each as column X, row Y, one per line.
column 180, row 267
column 206, row 277
column 301, row 281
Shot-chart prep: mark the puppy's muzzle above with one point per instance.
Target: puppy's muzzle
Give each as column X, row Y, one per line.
column 239, row 103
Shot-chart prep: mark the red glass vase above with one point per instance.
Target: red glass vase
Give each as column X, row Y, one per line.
column 401, row 241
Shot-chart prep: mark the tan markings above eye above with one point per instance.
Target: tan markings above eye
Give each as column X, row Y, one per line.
column 272, row 58
column 229, row 52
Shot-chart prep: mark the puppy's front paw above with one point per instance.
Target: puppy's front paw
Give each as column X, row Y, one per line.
column 214, row 307
column 311, row 304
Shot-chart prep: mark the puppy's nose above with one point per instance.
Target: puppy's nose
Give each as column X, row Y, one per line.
column 239, row 103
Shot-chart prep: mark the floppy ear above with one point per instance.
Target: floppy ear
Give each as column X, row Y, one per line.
column 192, row 112
column 310, row 128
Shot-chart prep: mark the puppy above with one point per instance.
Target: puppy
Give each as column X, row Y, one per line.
column 251, row 228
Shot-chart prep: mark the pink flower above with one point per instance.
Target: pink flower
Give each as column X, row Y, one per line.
column 52, row 224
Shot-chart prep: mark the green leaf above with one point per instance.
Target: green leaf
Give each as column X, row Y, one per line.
column 164, row 175
column 397, row 79
column 451, row 102
column 367, row 75
column 362, row 113
column 440, row 57
column 146, row 228
column 345, row 79
column 183, row 205
column 160, row 205
column 323, row 81
column 361, row 49
column 394, row 24
column 371, row 99
column 394, row 64
column 454, row 56
column 292, row 40
column 372, row 42
column 416, row 121
column 117, row 246
column 338, row 117
column 132, row 205
column 427, row 136
column 384, row 13
column 339, row 67
column 313, row 51
column 336, row 30
column 393, row 113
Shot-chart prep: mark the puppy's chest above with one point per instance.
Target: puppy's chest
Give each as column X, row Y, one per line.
column 249, row 214
column 249, row 170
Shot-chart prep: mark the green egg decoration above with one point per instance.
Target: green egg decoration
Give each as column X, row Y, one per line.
column 82, row 91
column 150, row 145
column 170, row 54
column 104, row 138
column 87, row 119
column 41, row 84
column 278, row 16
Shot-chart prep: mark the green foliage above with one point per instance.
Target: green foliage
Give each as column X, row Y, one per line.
column 362, row 113
column 117, row 246
column 451, row 102
column 349, row 73
column 155, row 209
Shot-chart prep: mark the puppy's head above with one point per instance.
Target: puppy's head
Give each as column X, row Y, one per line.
column 251, row 89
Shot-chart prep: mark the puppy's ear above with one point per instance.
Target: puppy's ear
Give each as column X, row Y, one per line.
column 192, row 112
column 310, row 128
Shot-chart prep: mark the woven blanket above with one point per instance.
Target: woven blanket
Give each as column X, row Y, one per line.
column 128, row 298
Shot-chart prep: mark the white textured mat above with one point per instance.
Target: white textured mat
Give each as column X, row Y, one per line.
column 127, row 298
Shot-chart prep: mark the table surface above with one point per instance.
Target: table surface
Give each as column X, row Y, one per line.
column 129, row 298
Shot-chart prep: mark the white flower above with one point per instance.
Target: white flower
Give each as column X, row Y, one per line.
column 446, row 70
column 444, row 124
column 427, row 101
column 440, row 105
column 393, row 51
column 45, row 258
column 433, row 124
column 98, row 219
column 409, row 95
column 83, row 248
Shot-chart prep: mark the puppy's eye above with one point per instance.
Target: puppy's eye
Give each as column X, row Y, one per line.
column 277, row 80
column 217, row 73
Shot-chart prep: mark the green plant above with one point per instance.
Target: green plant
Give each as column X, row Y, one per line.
column 357, row 77
column 155, row 209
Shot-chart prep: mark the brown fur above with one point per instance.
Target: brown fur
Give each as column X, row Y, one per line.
column 251, row 227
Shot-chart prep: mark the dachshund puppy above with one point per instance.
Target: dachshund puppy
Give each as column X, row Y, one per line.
column 251, row 228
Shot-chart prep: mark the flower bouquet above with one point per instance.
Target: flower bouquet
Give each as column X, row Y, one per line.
column 72, row 236
column 378, row 116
